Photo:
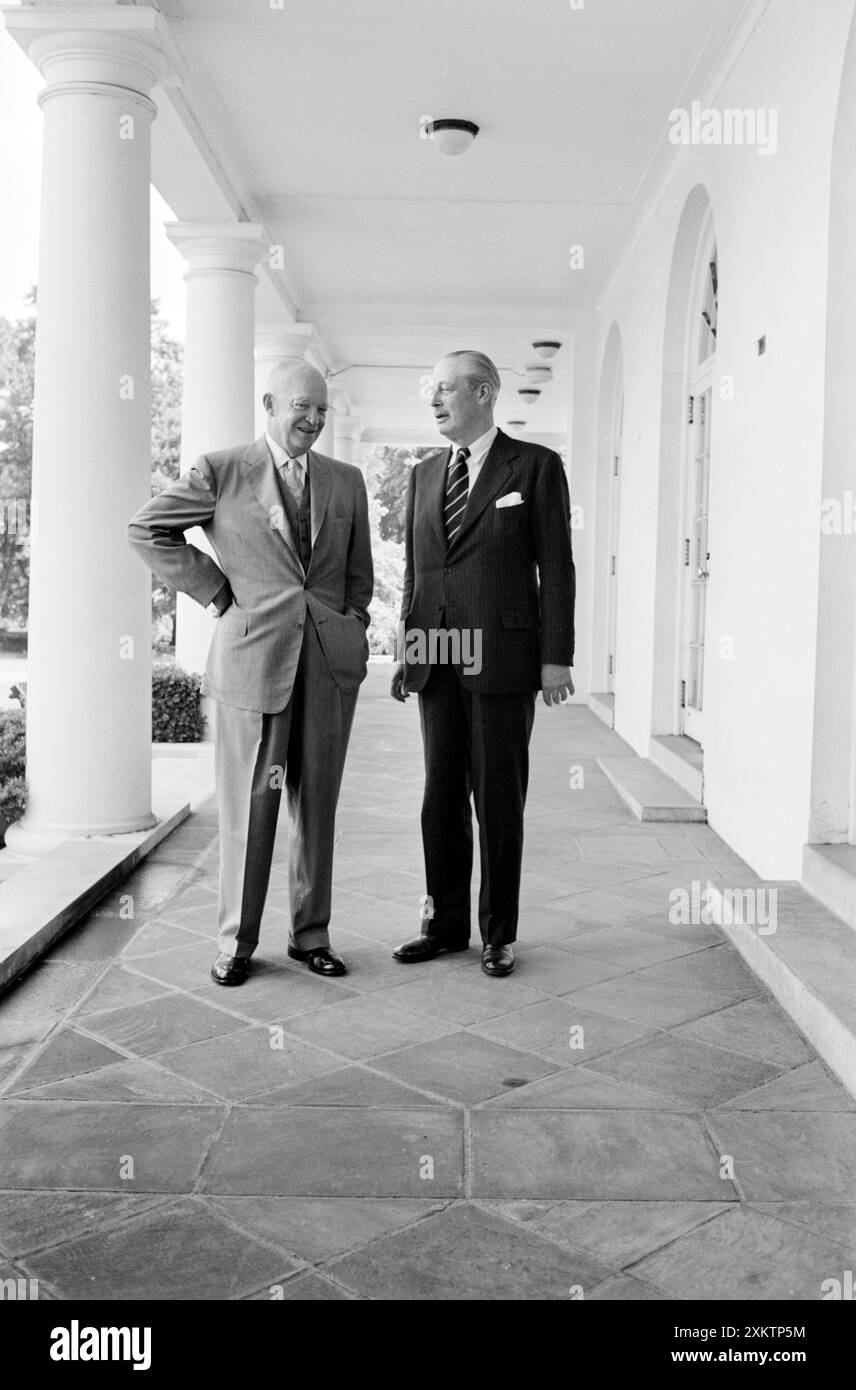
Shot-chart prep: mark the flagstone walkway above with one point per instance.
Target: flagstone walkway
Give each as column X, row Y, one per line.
column 628, row 1116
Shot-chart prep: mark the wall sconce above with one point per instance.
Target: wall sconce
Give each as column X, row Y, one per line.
column 528, row 394
column 546, row 347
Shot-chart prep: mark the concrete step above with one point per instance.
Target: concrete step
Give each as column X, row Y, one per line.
column 807, row 960
column 602, row 703
column 681, row 759
column 650, row 794
column 46, row 896
column 829, row 874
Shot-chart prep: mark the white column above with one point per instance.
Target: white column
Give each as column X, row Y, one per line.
column 89, row 668
column 274, row 343
column 347, row 428
column 217, row 403
column 332, row 435
column 360, row 448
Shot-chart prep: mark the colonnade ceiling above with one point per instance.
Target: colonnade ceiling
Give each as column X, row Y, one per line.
column 306, row 118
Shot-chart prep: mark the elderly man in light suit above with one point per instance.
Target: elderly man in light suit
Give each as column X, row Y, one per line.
column 291, row 587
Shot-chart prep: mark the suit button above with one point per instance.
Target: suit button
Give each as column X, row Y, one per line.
column 299, row 627
column 448, row 569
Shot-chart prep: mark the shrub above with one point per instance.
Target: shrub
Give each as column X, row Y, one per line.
column 13, row 789
column 13, row 641
column 12, row 744
column 13, row 803
column 176, row 705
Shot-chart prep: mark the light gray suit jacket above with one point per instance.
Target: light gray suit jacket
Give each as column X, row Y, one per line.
column 234, row 496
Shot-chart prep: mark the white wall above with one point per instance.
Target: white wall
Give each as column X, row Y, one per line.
column 581, row 470
column 833, row 810
column 610, row 378
column 771, row 215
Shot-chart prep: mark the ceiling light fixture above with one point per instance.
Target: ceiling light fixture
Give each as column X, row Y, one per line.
column 528, row 394
column 546, row 347
column 451, row 136
column 539, row 376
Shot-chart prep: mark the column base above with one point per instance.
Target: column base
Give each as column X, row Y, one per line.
column 29, row 840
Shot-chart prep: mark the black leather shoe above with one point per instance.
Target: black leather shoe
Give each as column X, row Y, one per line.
column 498, row 960
column 426, row 948
column 230, row 970
column 321, row 960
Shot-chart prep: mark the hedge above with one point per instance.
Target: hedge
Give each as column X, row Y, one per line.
column 12, row 744
column 176, row 705
column 13, row 790
column 13, row 803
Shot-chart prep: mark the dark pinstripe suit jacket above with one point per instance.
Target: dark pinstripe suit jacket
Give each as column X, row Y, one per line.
column 509, row 572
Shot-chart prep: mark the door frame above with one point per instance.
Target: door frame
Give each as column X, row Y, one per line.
column 699, row 376
column 616, row 454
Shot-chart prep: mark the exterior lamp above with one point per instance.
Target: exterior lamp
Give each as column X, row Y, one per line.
column 539, row 376
column 451, row 136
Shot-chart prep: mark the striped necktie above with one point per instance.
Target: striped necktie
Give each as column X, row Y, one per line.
column 457, row 492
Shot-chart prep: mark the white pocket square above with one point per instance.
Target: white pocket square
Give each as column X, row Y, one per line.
column 511, row 499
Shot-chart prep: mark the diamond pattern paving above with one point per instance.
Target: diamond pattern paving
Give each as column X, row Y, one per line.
column 467, row 1253
column 687, row 1071
column 144, row 1148
column 315, row 1229
column 745, row 1255
column 182, row 1250
column 463, row 1067
column 542, row 1153
column 423, row 1132
column 370, row 1152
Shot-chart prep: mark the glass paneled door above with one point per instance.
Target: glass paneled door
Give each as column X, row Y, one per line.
column 614, row 520
column 696, row 556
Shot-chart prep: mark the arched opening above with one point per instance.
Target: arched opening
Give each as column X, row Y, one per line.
column 684, row 543
column 694, row 571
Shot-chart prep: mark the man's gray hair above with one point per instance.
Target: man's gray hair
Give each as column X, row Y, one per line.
column 481, row 369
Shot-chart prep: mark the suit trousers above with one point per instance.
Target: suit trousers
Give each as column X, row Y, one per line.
column 476, row 746
column 299, row 750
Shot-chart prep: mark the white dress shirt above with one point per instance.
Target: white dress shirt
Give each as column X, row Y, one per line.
column 282, row 459
column 479, row 450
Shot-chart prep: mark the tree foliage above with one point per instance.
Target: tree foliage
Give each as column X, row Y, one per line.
column 17, row 360
column 387, row 473
column 387, row 469
column 167, row 361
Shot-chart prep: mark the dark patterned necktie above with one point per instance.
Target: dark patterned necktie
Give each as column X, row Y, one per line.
column 457, row 492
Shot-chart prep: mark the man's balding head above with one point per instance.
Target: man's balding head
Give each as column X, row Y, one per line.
column 295, row 400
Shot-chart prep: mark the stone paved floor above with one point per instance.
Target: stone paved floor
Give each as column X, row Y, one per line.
column 423, row 1132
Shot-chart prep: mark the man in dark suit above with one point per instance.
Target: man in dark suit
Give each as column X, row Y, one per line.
column 291, row 587
column 487, row 621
